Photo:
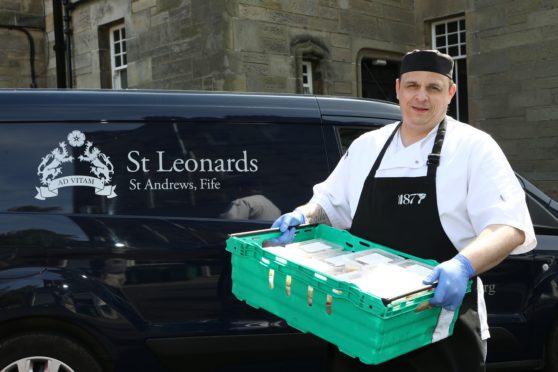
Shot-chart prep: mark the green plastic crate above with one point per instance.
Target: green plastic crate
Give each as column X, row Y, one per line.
column 359, row 324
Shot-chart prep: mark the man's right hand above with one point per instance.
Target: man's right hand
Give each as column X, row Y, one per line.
column 285, row 224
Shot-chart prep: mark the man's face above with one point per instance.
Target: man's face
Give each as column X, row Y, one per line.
column 423, row 98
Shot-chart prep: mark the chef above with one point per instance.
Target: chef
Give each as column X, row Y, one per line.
column 435, row 188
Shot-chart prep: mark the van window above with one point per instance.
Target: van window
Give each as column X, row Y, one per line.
column 210, row 170
column 348, row 134
column 352, row 127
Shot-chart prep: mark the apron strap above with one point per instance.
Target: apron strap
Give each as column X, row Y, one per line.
column 434, row 157
column 381, row 154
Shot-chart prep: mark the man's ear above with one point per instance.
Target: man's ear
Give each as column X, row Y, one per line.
column 452, row 91
column 397, row 88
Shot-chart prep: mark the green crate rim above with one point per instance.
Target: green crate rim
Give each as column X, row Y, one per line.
column 250, row 244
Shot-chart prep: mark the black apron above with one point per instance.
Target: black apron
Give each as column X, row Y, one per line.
column 402, row 213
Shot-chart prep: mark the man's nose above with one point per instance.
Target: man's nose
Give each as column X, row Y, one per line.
column 421, row 95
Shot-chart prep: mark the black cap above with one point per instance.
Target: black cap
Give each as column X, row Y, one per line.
column 427, row 60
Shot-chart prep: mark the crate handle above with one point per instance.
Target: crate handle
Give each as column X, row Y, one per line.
column 288, row 283
column 271, row 278
column 310, row 295
column 387, row 301
column 264, row 231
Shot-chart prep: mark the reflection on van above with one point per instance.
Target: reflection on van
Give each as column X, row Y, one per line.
column 250, row 204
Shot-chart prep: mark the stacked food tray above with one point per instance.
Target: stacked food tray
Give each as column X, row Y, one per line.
column 358, row 295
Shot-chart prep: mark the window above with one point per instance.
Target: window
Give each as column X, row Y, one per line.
column 449, row 36
column 348, row 133
column 118, row 57
column 307, row 78
column 310, row 66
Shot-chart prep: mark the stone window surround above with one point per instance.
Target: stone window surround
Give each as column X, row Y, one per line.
column 309, row 51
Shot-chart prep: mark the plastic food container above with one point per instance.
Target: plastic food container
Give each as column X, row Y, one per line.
column 388, row 280
column 375, row 256
column 335, row 305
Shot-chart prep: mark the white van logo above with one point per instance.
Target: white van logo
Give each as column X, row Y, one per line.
column 410, row 199
column 51, row 167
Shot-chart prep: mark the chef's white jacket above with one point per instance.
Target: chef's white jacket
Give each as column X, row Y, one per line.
column 475, row 184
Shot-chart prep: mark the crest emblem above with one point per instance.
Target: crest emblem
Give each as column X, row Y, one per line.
column 51, row 167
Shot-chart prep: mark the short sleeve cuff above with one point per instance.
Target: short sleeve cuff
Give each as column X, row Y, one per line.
column 530, row 241
column 528, row 244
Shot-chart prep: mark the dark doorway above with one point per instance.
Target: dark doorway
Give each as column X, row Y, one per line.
column 378, row 78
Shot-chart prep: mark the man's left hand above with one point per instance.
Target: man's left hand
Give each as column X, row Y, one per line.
column 452, row 276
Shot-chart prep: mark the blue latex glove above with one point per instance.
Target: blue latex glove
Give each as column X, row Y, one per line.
column 452, row 277
column 285, row 223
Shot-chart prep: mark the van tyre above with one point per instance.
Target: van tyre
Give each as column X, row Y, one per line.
column 34, row 351
column 551, row 363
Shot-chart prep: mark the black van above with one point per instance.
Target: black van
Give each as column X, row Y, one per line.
column 114, row 210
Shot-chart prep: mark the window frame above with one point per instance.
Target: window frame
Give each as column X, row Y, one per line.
column 118, row 71
column 308, row 87
column 461, row 43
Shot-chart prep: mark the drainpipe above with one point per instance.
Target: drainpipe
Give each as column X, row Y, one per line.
column 69, row 6
column 31, row 50
column 59, row 44
column 68, row 41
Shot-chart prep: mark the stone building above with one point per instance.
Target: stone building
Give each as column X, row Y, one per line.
column 22, row 44
column 505, row 53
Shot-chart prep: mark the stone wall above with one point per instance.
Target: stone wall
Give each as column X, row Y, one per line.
column 177, row 44
column 514, row 81
column 264, row 36
column 15, row 50
column 171, row 44
column 89, row 55
column 512, row 58
column 239, row 45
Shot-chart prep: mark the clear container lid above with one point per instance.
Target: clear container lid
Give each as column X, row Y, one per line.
column 375, row 256
column 311, row 257
column 305, row 249
column 335, row 258
column 386, row 280
column 318, row 265
column 416, row 267
column 289, row 253
column 317, row 246
column 328, row 262
column 348, row 276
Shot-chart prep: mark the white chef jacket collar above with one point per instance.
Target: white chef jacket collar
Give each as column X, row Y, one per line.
column 413, row 156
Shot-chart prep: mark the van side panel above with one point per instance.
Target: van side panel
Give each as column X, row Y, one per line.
column 136, row 215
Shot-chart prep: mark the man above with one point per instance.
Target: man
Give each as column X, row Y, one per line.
column 435, row 188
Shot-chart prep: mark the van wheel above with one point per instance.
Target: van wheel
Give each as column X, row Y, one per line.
column 551, row 363
column 45, row 352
